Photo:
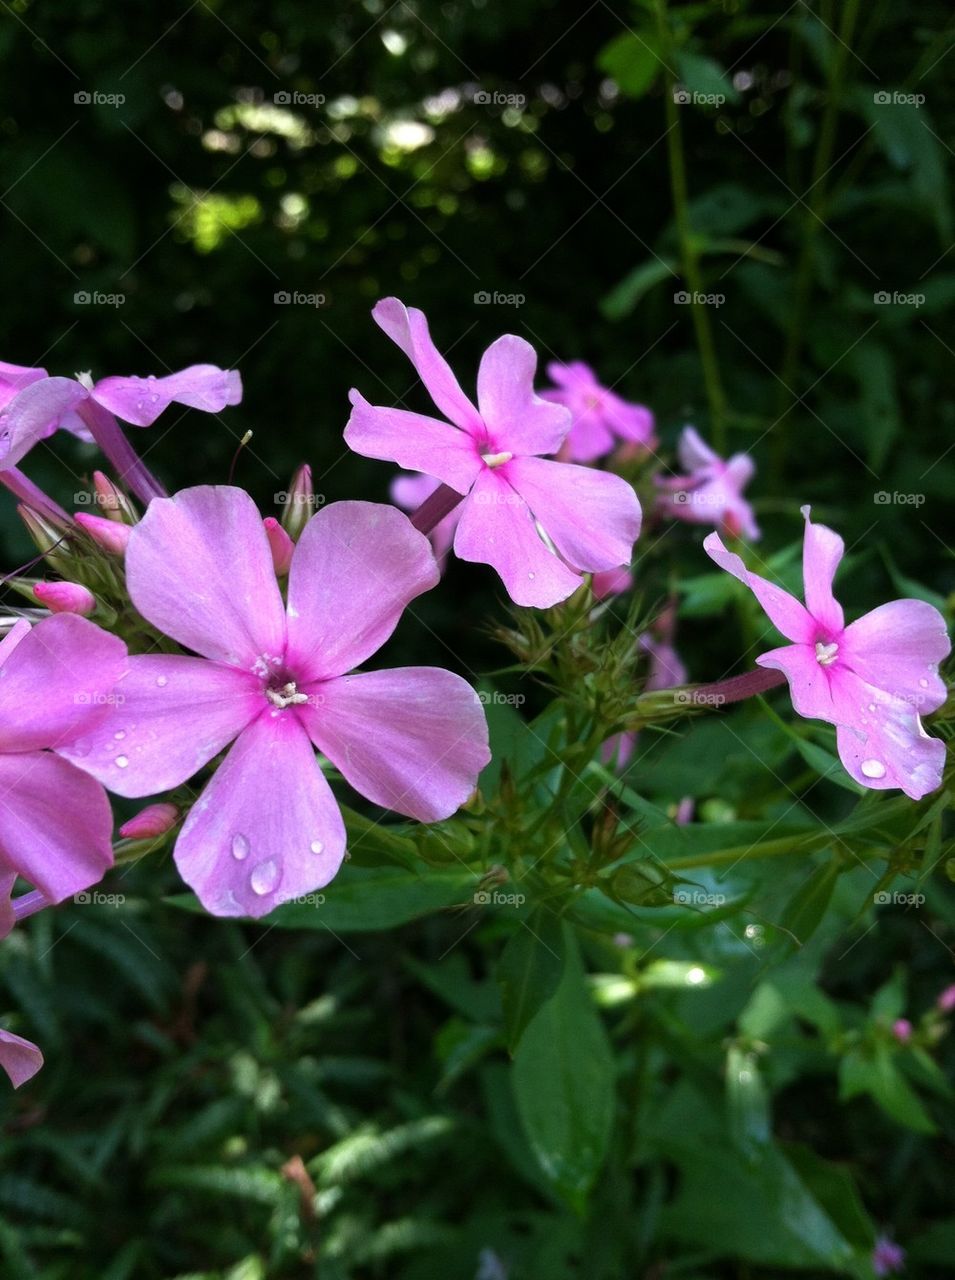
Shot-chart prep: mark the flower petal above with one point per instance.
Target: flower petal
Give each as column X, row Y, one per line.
column 592, row 517
column 7, row 915
column 56, row 681
column 409, row 492
column 55, row 824
column 199, row 568
column 784, row 611
column 517, row 420
column 898, row 647
column 574, row 374
column 20, row 1058
column 13, row 637
column 170, row 715
column 34, row 413
column 412, row 739
column 408, row 328
column 267, row 827
column 356, row 568
column 808, row 680
column 140, row 401
column 900, row 754
column 497, row 528
column 589, row 438
column 694, row 453
column 14, row 377
column 822, row 549
column 413, row 441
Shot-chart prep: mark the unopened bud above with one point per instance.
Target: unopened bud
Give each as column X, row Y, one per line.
column 299, row 502
column 902, row 1030
column 280, row 544
column 155, row 820
column 108, row 534
column 65, row 597
column 46, row 537
column 112, row 500
column 611, row 582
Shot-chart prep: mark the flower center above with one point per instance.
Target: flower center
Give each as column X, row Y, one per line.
column 287, row 696
column 826, row 654
column 493, row 460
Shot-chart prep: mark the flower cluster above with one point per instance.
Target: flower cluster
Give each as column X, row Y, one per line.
column 198, row 640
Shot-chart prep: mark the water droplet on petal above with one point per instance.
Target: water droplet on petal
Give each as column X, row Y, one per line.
column 80, row 748
column 923, row 684
column 240, row 847
column 316, row 846
column 264, row 877
column 871, row 706
column 122, row 762
column 119, row 735
column 532, row 576
column 873, row 768
column 162, row 681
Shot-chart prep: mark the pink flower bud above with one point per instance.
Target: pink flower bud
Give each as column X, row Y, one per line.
column 946, row 1000
column 155, row 820
column 902, row 1030
column 65, row 597
column 611, row 582
column 280, row 544
column 108, row 534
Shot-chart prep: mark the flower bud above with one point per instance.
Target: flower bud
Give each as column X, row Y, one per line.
column 111, row 535
column 902, row 1030
column 299, row 502
column 155, row 820
column 112, row 500
column 946, row 1000
column 65, row 597
column 280, row 544
column 47, row 539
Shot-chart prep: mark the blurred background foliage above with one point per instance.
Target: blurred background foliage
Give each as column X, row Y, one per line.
column 205, row 1081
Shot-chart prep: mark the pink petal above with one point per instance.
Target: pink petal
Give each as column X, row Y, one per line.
column 34, row 413
column 413, row 441
column 898, row 647
column 7, row 915
column 13, row 637
column 783, row 610
column 497, row 528
column 413, row 739
column 409, row 492
column 611, row 582
column 199, row 568
column 821, row 552
column 634, row 423
column 56, row 681
column 171, row 714
column 20, row 1059
column 589, row 438
column 518, row 421
column 693, row 451
column 808, row 679
column 408, row 327
column 356, row 568
column 591, row 516
column 900, row 755
column 14, row 377
column 55, row 824
column 267, row 828
column 140, row 401
column 574, row 374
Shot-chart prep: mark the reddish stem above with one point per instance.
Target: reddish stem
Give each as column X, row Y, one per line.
column 433, row 510
column 129, row 466
column 720, row 692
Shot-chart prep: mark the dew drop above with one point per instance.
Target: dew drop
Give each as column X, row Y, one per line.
column 162, row 681
column 122, row 762
column 119, row 735
column 873, row 768
column 240, row 847
column 264, row 877
column 871, row 706
column 80, row 748
column 532, row 576
column 316, row 846
column 923, row 683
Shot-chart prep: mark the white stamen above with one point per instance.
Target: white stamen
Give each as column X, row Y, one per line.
column 287, row 696
column 496, row 459
column 826, row 654
column 85, row 380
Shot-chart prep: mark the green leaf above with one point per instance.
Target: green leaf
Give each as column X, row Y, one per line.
column 905, row 134
column 871, row 1070
column 530, row 970
column 563, row 1077
column 622, row 299
column 704, row 76
column 806, row 908
column 875, row 372
column 747, row 1102
column 632, row 59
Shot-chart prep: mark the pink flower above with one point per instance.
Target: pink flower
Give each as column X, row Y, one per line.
column 599, row 417
column 34, row 405
column 946, row 1000
column 888, row 1257
column 409, row 492
column 869, row 679
column 539, row 523
column 55, row 821
column 267, row 827
column 65, row 597
column 20, row 1059
column 712, row 492
column 902, row 1030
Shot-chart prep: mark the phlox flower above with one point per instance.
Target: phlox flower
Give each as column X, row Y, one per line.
column 409, row 492
column 33, row 405
column 19, row 1058
column 272, row 679
column 870, row 678
column 599, row 417
column 712, row 490
column 888, row 1258
column 541, row 524
column 55, row 821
